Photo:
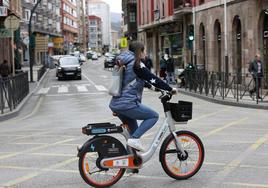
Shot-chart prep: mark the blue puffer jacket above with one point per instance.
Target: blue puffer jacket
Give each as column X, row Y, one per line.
column 131, row 93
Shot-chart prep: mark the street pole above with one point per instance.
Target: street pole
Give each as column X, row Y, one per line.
column 225, row 47
column 31, row 46
column 194, row 47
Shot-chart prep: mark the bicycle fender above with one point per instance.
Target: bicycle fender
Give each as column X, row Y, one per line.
column 105, row 145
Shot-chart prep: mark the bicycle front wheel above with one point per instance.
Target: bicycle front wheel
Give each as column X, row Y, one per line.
column 174, row 164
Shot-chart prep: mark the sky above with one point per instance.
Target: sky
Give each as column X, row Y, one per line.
column 115, row 5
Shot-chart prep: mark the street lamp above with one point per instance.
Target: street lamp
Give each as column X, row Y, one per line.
column 31, row 44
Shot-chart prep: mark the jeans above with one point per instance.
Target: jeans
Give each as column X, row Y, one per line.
column 131, row 116
column 170, row 78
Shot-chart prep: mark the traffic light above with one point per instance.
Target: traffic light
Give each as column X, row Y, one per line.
column 191, row 32
column 190, row 36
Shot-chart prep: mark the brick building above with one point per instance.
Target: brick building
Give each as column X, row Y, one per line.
column 164, row 27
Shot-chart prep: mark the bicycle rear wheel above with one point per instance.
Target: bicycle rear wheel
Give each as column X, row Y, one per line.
column 174, row 164
column 89, row 162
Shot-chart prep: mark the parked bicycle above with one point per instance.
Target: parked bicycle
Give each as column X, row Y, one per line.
column 103, row 159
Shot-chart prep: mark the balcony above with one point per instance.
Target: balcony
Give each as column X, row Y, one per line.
column 182, row 7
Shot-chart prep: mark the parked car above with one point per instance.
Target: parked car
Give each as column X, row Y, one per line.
column 82, row 58
column 89, row 54
column 109, row 61
column 94, row 56
column 69, row 66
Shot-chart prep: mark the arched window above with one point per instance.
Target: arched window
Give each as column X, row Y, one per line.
column 218, row 48
column 202, row 45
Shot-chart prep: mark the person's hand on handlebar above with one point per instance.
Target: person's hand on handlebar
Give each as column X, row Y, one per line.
column 174, row 91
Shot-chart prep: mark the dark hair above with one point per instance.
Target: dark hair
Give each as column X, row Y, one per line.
column 137, row 48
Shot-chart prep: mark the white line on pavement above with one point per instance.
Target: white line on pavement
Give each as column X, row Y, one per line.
column 43, row 90
column 100, row 88
column 82, row 88
column 63, row 89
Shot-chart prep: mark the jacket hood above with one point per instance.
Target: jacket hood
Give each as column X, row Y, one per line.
column 126, row 57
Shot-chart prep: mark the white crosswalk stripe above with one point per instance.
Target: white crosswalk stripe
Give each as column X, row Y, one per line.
column 43, row 90
column 82, row 88
column 63, row 89
column 70, row 89
column 100, row 88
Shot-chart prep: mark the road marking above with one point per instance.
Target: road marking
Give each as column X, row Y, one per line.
column 210, row 114
column 27, row 177
column 237, row 161
column 214, row 131
column 74, row 94
column 63, row 89
column 248, row 184
column 43, row 90
column 36, row 148
column 100, row 88
column 81, row 88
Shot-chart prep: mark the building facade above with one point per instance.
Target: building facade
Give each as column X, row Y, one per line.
column 46, row 29
column 130, row 22
column 7, row 8
column 165, row 26
column 102, row 10
column 69, row 24
column 95, row 33
column 115, row 39
column 162, row 31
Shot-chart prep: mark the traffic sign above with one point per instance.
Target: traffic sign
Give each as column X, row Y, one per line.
column 123, row 42
column 12, row 22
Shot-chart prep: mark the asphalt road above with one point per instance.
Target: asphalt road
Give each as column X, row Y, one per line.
column 38, row 148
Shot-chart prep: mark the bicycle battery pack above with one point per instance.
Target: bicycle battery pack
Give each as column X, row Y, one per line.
column 101, row 128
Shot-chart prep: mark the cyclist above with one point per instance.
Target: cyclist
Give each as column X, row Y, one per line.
column 128, row 105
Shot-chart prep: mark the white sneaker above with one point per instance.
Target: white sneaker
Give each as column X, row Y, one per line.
column 135, row 143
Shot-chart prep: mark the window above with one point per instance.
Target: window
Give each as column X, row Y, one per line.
column 27, row 14
column 163, row 10
column 132, row 17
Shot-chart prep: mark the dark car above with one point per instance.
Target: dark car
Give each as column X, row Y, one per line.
column 69, row 67
column 109, row 61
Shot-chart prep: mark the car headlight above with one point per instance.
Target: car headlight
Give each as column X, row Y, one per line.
column 79, row 68
column 59, row 68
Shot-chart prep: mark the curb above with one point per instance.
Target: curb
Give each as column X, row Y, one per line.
column 16, row 111
column 224, row 102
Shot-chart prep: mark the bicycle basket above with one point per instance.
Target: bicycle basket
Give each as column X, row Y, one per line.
column 181, row 111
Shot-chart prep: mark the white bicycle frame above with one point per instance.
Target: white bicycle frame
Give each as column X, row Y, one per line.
column 168, row 123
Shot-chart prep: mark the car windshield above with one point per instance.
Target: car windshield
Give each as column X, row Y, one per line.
column 69, row 61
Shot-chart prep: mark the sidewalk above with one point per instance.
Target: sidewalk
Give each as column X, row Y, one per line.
column 33, row 86
column 246, row 101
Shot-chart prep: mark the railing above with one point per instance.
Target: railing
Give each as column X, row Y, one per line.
column 12, row 91
column 41, row 72
column 232, row 85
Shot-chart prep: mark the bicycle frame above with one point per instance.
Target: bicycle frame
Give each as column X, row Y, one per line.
column 147, row 155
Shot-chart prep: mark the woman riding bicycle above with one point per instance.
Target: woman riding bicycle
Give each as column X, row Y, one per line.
column 128, row 105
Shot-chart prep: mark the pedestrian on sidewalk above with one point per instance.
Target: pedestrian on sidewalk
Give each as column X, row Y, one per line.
column 163, row 68
column 170, row 70
column 4, row 69
column 256, row 70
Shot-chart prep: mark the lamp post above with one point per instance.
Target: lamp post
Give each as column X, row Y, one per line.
column 31, row 44
column 225, row 47
column 194, row 47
